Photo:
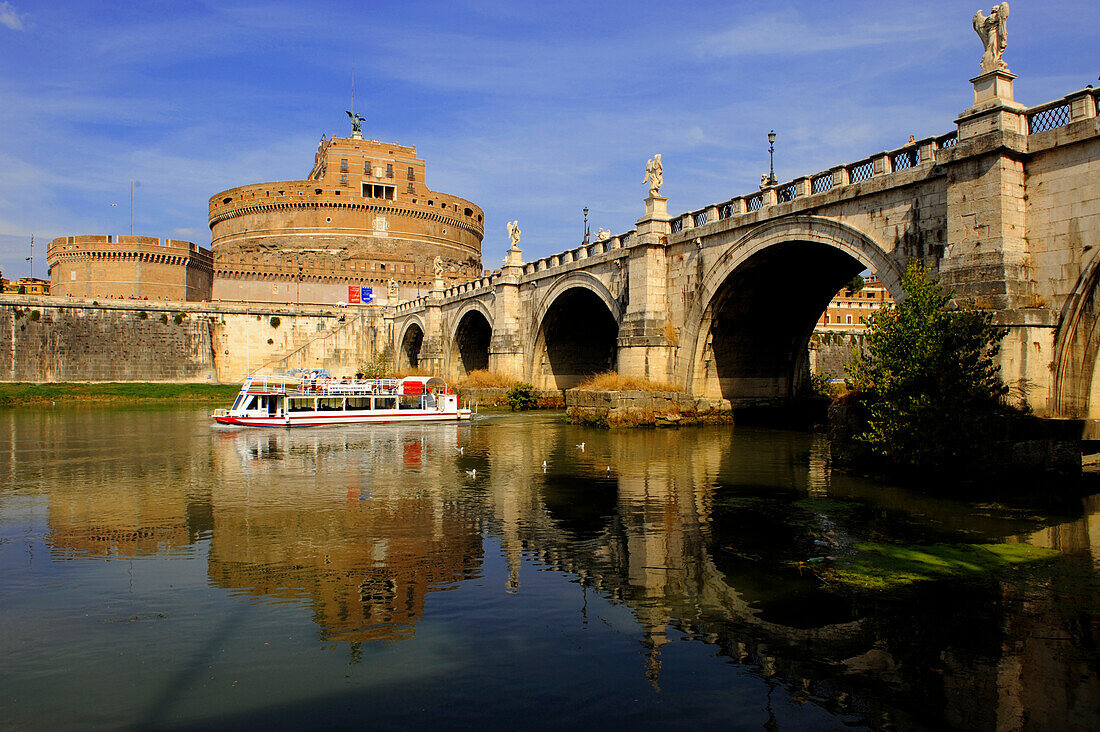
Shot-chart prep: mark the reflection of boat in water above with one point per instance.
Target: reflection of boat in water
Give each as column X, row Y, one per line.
column 315, row 399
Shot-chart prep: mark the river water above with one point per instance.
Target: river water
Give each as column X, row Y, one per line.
column 159, row 572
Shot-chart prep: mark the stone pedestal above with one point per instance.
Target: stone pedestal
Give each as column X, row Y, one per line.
column 506, row 347
column 645, row 350
column 994, row 109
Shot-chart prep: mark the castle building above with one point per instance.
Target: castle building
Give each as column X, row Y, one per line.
column 129, row 267
column 363, row 216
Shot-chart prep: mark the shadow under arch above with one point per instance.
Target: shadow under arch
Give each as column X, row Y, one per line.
column 469, row 339
column 745, row 337
column 1076, row 344
column 572, row 335
column 408, row 351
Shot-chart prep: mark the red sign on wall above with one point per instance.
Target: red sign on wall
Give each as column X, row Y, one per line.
column 353, row 294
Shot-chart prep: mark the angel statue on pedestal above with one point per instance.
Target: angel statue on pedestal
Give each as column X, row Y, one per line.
column 513, row 233
column 994, row 35
column 654, row 175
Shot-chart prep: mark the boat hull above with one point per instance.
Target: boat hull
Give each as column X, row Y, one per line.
column 320, row 420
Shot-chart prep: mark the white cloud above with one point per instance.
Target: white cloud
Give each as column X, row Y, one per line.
column 10, row 18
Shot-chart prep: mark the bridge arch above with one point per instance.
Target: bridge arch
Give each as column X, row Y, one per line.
column 745, row 336
column 469, row 339
column 574, row 332
column 408, row 348
column 1076, row 345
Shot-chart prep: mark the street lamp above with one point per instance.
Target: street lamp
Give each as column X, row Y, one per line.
column 586, row 232
column 771, row 159
column 298, row 297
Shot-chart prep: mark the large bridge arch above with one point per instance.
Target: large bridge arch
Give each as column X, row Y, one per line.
column 469, row 338
column 574, row 333
column 746, row 334
column 1076, row 345
column 408, row 344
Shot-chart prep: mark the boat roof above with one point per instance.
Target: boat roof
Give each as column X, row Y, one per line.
column 425, row 380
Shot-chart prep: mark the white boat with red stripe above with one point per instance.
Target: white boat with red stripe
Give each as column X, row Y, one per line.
column 316, row 399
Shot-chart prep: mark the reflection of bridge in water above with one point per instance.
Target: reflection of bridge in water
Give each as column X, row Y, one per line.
column 691, row 530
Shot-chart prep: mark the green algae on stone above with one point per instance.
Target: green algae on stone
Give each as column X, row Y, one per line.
column 890, row 566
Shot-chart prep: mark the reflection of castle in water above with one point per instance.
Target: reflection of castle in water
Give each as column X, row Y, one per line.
column 342, row 534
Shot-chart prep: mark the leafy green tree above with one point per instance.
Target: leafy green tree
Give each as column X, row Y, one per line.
column 929, row 379
column 855, row 284
column 378, row 367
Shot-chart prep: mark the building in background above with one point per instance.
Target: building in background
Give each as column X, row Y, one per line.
column 25, row 286
column 362, row 217
column 129, row 268
column 849, row 308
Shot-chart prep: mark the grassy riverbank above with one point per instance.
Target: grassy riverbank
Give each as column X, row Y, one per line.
column 19, row 395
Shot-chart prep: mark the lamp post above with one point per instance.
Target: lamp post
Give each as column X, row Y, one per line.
column 298, row 296
column 586, row 232
column 771, row 159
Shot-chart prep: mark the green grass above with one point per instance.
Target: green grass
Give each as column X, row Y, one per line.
column 890, row 566
column 19, row 394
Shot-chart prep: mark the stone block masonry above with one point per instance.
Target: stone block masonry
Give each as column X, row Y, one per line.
column 44, row 339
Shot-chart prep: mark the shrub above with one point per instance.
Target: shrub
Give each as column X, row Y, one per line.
column 270, row 341
column 929, row 379
column 164, row 318
column 377, row 367
column 521, row 397
column 275, row 321
column 95, row 303
column 178, row 319
column 18, row 313
column 35, row 315
column 142, row 314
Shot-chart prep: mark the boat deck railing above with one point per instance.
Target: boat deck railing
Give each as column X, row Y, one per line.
column 306, row 386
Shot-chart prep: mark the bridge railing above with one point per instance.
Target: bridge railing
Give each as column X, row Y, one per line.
column 1078, row 105
column 912, row 155
column 582, row 252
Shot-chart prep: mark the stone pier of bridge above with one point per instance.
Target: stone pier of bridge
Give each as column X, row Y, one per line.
column 1004, row 205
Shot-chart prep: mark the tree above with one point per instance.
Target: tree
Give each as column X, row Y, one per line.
column 929, row 379
column 855, row 284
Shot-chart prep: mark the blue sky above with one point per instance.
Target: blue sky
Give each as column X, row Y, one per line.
column 532, row 110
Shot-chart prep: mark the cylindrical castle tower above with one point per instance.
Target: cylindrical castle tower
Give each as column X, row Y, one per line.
column 363, row 217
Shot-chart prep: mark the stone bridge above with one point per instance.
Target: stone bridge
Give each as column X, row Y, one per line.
column 1006, row 208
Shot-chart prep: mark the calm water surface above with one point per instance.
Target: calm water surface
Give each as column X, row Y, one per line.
column 158, row 572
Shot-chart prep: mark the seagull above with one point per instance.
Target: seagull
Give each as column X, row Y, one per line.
column 544, row 466
column 609, row 470
column 460, row 450
column 581, row 447
column 472, row 473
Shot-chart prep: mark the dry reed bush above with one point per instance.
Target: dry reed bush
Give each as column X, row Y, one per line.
column 485, row 379
column 611, row 381
column 672, row 334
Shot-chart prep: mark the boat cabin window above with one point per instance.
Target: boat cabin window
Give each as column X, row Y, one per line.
column 410, row 402
column 385, row 403
column 330, row 404
column 300, row 405
column 359, row 403
column 240, row 398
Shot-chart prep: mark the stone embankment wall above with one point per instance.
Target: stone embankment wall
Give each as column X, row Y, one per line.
column 633, row 408
column 828, row 358
column 44, row 339
column 498, row 397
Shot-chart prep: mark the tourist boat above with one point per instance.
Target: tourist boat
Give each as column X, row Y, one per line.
column 314, row 399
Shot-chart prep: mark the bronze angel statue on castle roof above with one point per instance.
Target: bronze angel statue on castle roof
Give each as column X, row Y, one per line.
column 356, row 122
column 994, row 35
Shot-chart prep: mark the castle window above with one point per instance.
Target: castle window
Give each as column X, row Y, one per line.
column 343, row 165
column 366, row 167
column 469, row 212
column 410, row 188
column 443, row 205
column 389, row 170
column 412, row 176
column 344, row 179
column 317, row 191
